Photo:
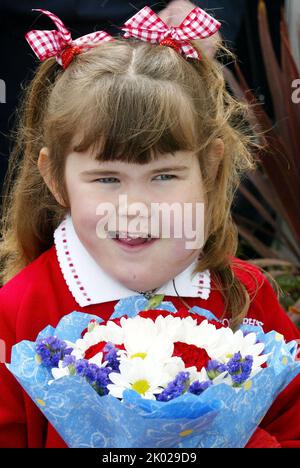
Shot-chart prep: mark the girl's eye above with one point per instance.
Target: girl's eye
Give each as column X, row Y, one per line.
column 113, row 180
column 165, row 177
column 108, row 180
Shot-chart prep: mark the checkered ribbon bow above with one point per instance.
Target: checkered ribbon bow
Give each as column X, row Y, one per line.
column 147, row 26
column 59, row 44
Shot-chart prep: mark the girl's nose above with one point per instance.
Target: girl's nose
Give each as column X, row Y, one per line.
column 130, row 206
column 134, row 200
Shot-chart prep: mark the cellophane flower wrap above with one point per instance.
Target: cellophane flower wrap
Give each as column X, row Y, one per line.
column 154, row 379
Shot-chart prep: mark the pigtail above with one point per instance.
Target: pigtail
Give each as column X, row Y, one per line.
column 27, row 226
column 229, row 121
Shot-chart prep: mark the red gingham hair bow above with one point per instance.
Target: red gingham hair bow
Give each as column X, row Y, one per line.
column 59, row 44
column 147, row 26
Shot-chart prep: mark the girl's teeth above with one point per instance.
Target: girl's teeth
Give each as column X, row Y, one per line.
column 137, row 241
column 132, row 236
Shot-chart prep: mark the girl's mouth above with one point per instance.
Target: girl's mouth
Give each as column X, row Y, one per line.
column 134, row 242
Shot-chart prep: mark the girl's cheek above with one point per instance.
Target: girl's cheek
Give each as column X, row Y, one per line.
column 180, row 253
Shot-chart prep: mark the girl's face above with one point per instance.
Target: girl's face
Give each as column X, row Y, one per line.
column 103, row 197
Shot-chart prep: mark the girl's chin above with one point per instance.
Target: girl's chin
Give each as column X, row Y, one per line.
column 138, row 285
column 137, row 279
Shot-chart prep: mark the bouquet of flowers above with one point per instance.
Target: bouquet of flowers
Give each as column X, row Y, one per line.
column 157, row 378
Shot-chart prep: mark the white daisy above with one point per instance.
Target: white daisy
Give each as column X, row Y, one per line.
column 141, row 375
column 109, row 333
column 175, row 328
column 230, row 343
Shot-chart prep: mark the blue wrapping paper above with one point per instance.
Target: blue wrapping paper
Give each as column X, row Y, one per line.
column 220, row 417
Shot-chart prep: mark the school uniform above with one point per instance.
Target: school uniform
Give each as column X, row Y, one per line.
column 66, row 278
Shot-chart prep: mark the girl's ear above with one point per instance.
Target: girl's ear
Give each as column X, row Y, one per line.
column 216, row 154
column 43, row 165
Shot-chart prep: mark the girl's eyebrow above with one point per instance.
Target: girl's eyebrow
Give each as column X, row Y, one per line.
column 170, row 169
column 99, row 172
column 103, row 172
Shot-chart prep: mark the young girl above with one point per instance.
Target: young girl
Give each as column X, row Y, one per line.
column 126, row 117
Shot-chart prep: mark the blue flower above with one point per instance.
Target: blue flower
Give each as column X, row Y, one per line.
column 81, row 367
column 91, row 373
column 215, row 368
column 199, row 387
column 51, row 350
column 102, row 380
column 240, row 369
column 111, row 356
column 97, row 377
column 175, row 388
column 69, row 360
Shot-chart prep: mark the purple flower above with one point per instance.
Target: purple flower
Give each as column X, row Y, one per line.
column 240, row 369
column 215, row 368
column 81, row 367
column 175, row 388
column 91, row 373
column 102, row 380
column 97, row 377
column 111, row 356
column 199, row 387
column 51, row 350
column 234, row 365
column 69, row 360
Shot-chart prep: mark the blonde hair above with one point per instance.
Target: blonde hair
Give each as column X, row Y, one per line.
column 130, row 101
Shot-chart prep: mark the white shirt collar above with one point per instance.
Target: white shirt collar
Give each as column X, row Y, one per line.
column 89, row 284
